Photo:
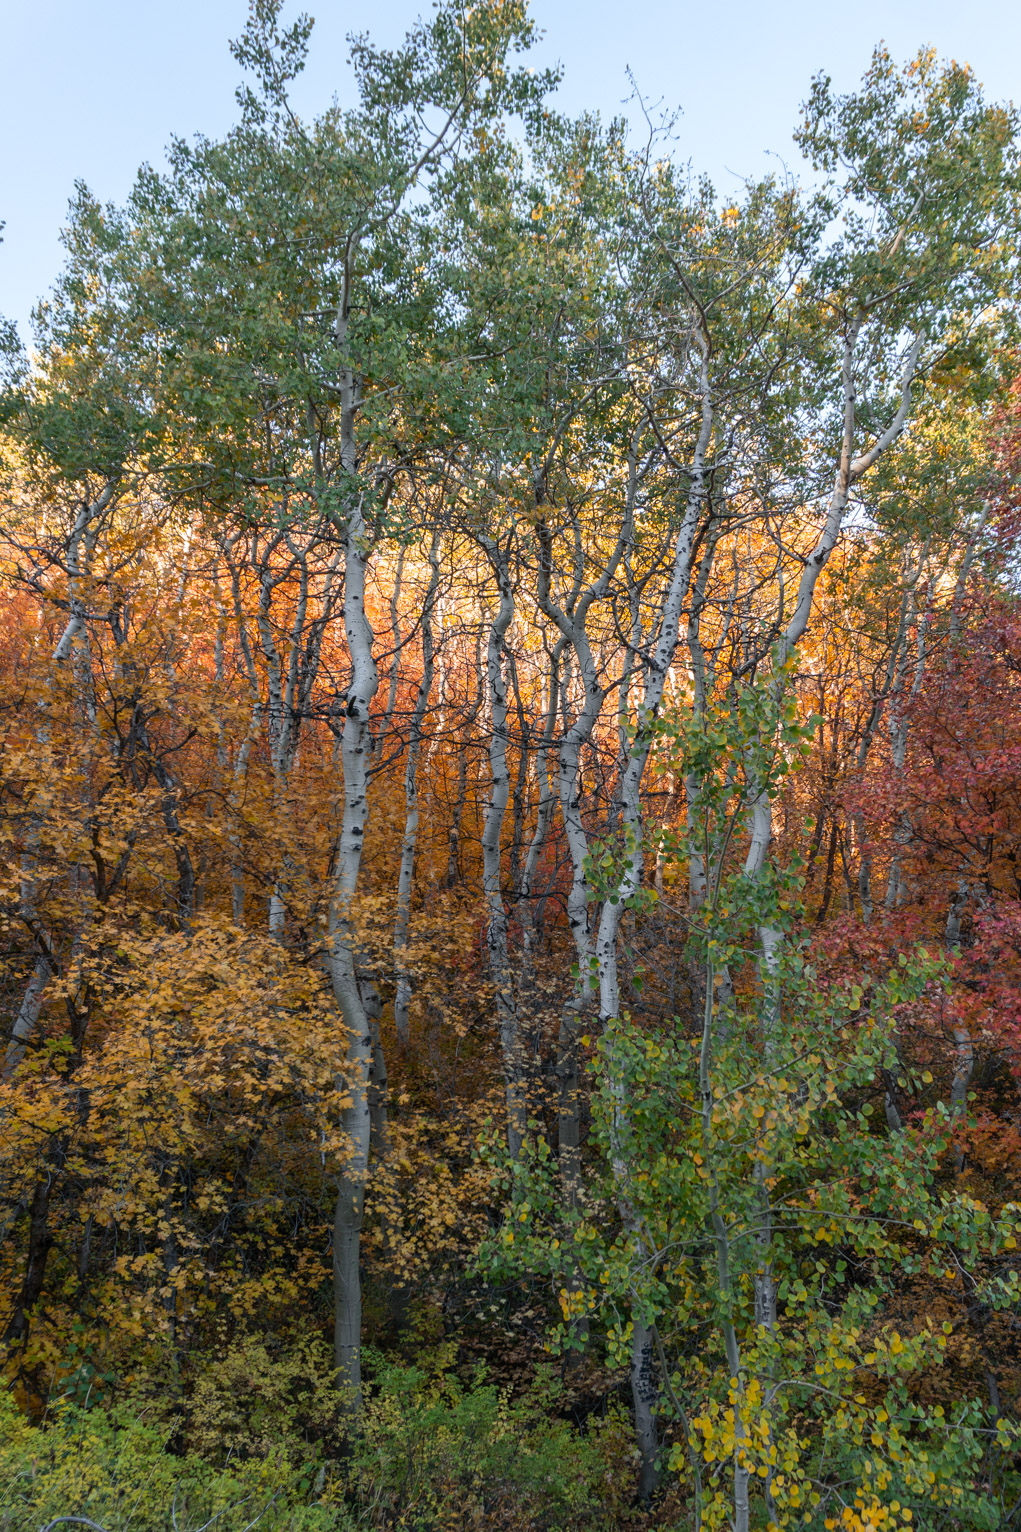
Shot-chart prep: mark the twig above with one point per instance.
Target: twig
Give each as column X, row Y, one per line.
column 82, row 1521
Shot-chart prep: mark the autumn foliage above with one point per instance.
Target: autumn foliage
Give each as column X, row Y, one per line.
column 510, row 820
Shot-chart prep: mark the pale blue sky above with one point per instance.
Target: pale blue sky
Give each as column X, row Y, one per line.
column 91, row 88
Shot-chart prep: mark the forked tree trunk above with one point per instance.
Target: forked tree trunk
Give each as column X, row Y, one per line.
column 849, row 470
column 657, row 669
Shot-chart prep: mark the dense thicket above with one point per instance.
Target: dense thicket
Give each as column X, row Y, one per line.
column 510, row 802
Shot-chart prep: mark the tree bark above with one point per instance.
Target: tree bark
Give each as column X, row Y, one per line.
column 514, row 1071
column 402, row 999
column 356, row 745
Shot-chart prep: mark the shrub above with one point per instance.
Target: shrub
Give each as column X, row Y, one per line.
column 433, row 1454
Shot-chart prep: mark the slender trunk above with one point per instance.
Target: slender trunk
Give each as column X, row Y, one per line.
column 890, row 683
column 515, row 1083
column 613, row 908
column 721, row 1241
column 865, row 897
column 40, row 1240
column 571, row 619
column 461, row 793
column 963, row 1046
column 897, row 889
column 520, row 781
column 402, row 999
column 80, row 546
column 356, row 746
column 240, row 775
column 970, row 551
column 386, row 723
column 698, row 850
column 849, row 470
column 529, row 904
column 657, row 670
column 665, row 823
column 645, row 1393
column 184, row 899
column 27, row 1019
column 380, row 1147
column 276, row 723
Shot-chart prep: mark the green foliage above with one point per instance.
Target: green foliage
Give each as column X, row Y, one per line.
column 116, row 1470
column 747, row 1204
column 433, row 1454
column 433, row 1448
column 254, row 1402
column 924, row 180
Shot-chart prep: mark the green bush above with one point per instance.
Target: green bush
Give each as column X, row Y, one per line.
column 113, row 1467
column 435, row 1454
column 432, row 1455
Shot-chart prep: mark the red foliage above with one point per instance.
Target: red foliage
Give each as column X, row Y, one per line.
column 952, row 816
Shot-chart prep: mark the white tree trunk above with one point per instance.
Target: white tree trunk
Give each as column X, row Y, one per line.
column 356, row 746
column 514, row 1071
column 409, row 841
